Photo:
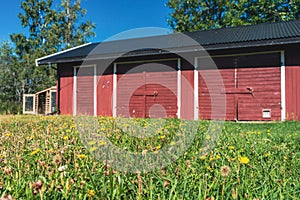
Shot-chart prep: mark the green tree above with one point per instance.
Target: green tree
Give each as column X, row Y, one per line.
column 11, row 87
column 74, row 31
column 192, row 15
column 50, row 28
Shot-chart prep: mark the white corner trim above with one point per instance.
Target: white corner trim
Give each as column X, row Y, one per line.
column 74, row 92
column 196, row 90
column 95, row 90
column 179, row 88
column 115, row 82
column 61, row 52
column 282, row 85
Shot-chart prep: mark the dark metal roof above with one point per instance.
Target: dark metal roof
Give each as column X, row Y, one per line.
column 235, row 37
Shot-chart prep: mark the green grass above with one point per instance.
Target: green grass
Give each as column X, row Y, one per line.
column 44, row 158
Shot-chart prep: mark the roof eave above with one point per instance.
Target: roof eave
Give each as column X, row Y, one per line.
column 211, row 47
column 39, row 60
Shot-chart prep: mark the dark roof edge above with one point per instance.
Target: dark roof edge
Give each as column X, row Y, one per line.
column 262, row 43
column 60, row 52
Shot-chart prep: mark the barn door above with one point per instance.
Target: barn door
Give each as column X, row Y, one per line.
column 216, row 97
column 147, row 90
column 85, row 91
column 258, row 84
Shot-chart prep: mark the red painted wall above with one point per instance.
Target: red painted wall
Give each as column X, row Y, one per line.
column 66, row 89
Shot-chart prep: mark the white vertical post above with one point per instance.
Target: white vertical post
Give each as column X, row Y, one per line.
column 74, row 92
column 196, row 90
column 179, row 88
column 115, row 82
column 95, row 90
column 282, row 80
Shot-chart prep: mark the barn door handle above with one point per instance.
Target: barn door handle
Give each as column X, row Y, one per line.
column 251, row 91
column 155, row 93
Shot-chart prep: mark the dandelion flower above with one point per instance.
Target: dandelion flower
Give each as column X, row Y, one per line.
column 225, row 170
column 35, row 152
column 91, row 143
column 267, row 154
column 209, row 168
column 57, row 159
column 231, row 147
column 7, row 197
column 93, row 149
column 244, row 160
column 62, row 168
column 91, row 193
column 203, row 157
column 82, row 156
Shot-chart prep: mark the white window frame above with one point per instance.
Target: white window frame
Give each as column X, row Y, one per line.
column 24, row 103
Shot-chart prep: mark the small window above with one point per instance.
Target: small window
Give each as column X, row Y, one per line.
column 29, row 104
column 266, row 113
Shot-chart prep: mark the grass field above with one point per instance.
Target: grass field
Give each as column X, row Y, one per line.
column 44, row 158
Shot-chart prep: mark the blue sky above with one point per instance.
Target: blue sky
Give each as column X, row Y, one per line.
column 111, row 17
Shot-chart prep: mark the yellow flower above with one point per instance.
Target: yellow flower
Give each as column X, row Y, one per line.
column 91, row 143
column 91, row 193
column 267, row 154
column 101, row 143
column 285, row 158
column 8, row 134
column 66, row 137
column 35, row 152
column 82, row 156
column 163, row 137
column 258, row 132
column 207, row 137
column 231, row 147
column 203, row 157
column 209, row 168
column 93, row 149
column 244, row 159
column 158, row 147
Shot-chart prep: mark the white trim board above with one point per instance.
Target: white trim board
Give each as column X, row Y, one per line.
column 61, row 52
column 283, row 85
column 75, row 88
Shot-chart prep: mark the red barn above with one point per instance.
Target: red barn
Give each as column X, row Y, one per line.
column 246, row 73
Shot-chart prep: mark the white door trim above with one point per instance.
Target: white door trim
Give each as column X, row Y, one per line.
column 75, row 88
column 283, row 85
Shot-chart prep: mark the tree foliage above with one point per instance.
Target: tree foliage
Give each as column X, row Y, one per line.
column 10, row 83
column 48, row 29
column 192, row 15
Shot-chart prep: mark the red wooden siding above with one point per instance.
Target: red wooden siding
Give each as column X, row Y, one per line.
column 265, row 83
column 85, row 91
column 104, row 95
column 293, row 92
column 210, row 88
column 66, row 90
column 251, row 84
column 147, row 90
